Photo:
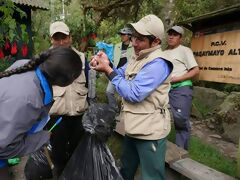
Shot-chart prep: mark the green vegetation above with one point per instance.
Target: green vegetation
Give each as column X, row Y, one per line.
column 210, row 156
column 200, row 107
column 8, row 25
column 5, row 63
column 101, row 86
column 115, row 145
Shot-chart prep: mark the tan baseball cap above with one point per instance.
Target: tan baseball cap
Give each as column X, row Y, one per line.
column 59, row 26
column 177, row 29
column 150, row 25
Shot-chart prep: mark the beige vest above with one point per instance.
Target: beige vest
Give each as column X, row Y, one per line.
column 117, row 53
column 71, row 100
column 150, row 118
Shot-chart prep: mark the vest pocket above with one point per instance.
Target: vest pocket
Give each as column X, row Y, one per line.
column 155, row 124
column 138, row 124
column 58, row 107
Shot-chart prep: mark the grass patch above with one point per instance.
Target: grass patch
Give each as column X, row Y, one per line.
column 208, row 155
column 197, row 104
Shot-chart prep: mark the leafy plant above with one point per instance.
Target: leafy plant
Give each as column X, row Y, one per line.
column 5, row 63
column 9, row 25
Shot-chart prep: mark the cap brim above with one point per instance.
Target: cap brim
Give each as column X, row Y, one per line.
column 174, row 31
column 64, row 32
column 140, row 28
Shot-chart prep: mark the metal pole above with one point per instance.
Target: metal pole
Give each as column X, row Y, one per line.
column 63, row 11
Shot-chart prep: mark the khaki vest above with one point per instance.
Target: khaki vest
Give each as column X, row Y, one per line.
column 117, row 53
column 150, row 118
column 71, row 100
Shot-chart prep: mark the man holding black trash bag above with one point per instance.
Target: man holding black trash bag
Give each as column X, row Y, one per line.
column 143, row 83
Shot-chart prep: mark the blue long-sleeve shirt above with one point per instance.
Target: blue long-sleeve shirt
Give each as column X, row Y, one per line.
column 150, row 77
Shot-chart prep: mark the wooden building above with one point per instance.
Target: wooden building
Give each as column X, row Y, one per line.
column 216, row 44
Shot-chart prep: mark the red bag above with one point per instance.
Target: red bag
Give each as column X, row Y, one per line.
column 14, row 48
column 93, row 36
column 1, row 54
column 24, row 50
column 7, row 45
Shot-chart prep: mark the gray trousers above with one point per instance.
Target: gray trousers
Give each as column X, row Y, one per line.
column 180, row 100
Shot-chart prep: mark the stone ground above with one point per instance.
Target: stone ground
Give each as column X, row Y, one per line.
column 199, row 129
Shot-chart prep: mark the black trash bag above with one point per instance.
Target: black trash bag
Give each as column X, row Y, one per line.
column 92, row 159
column 37, row 166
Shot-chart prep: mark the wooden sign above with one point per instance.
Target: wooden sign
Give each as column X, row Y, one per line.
column 218, row 56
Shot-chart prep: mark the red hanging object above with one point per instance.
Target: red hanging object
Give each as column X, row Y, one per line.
column 14, row 48
column 93, row 36
column 84, row 39
column 24, row 50
column 1, row 54
column 7, row 45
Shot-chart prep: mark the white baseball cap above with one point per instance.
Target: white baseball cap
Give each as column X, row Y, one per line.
column 150, row 25
column 59, row 26
column 125, row 30
column 177, row 29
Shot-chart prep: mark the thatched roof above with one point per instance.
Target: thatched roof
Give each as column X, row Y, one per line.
column 41, row 4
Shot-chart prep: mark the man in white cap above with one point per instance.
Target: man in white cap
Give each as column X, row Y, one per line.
column 143, row 83
column 122, row 52
column 70, row 104
column 180, row 95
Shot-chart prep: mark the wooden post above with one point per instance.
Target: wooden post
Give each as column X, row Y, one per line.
column 238, row 160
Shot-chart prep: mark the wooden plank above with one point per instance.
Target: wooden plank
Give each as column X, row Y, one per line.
column 197, row 171
column 173, row 152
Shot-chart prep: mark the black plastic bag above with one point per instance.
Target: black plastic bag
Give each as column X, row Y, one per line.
column 37, row 166
column 92, row 159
